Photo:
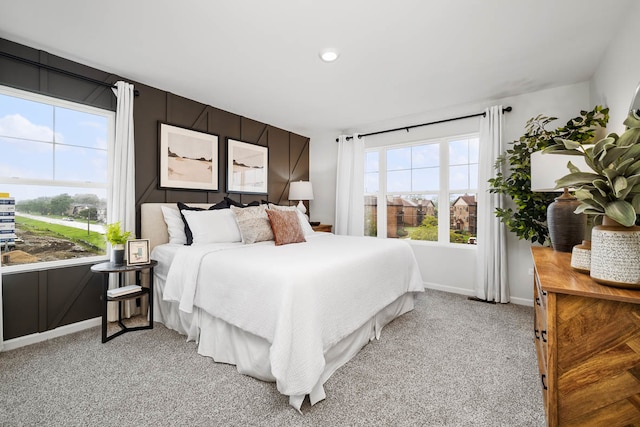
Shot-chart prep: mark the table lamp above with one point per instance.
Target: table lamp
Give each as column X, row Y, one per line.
column 301, row 190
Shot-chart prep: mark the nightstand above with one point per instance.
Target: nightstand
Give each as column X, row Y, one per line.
column 325, row 228
column 105, row 269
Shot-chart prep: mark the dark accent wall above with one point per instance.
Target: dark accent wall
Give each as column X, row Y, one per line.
column 288, row 152
column 38, row 301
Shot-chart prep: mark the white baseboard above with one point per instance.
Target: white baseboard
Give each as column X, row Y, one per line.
column 54, row 333
column 522, row 301
column 472, row 293
column 450, row 289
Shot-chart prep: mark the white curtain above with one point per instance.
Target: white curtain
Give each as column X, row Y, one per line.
column 350, row 187
column 121, row 195
column 492, row 284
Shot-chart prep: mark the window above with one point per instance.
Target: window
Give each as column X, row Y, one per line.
column 404, row 186
column 53, row 162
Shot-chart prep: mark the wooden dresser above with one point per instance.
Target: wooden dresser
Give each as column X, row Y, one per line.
column 588, row 343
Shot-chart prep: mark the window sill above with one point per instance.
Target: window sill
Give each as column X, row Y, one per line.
column 48, row 265
column 461, row 246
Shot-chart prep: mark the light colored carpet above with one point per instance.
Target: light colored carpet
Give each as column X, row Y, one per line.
column 450, row 362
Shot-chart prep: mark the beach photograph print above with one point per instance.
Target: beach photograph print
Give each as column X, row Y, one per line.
column 247, row 167
column 188, row 159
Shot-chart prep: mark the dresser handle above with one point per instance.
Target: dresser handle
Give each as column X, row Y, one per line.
column 542, row 378
column 537, row 331
column 544, row 293
column 543, row 335
column 537, row 300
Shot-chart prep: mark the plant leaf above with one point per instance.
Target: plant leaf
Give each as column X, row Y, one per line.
column 572, row 168
column 602, row 145
column 576, row 179
column 586, row 209
column 636, row 202
column 622, row 212
column 602, row 186
column 632, row 121
column 632, row 182
column 622, row 166
column 593, row 204
column 593, row 198
column 629, row 137
column 634, row 168
column 611, row 174
column 570, row 145
column 632, row 152
column 611, row 155
column 619, row 184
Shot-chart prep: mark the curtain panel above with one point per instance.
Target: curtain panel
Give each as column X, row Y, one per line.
column 492, row 284
column 121, row 193
column 350, row 187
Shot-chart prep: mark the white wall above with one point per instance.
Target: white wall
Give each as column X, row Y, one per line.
column 614, row 82
column 323, row 154
column 440, row 265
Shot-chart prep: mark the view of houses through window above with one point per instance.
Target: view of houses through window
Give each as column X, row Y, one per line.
column 53, row 169
column 405, row 186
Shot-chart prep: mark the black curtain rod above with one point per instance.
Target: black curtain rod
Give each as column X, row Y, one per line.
column 61, row 71
column 504, row 110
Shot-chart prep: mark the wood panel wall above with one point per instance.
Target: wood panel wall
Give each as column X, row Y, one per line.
column 37, row 301
column 288, row 152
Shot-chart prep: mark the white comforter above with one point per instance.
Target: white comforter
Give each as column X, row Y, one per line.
column 302, row 298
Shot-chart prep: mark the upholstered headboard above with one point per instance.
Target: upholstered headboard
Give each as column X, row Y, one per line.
column 152, row 225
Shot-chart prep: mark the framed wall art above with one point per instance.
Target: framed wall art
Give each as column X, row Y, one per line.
column 188, row 159
column 138, row 252
column 247, row 167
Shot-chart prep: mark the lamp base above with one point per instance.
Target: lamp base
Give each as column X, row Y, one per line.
column 566, row 229
column 301, row 207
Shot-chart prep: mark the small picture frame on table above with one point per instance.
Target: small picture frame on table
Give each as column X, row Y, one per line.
column 138, row 252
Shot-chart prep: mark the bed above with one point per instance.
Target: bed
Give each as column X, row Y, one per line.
column 286, row 313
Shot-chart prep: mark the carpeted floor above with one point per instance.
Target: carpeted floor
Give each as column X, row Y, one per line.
column 450, row 362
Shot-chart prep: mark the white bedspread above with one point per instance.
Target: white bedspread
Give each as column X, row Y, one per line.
column 302, row 298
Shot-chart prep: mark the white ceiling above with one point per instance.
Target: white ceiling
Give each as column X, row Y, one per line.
column 259, row 58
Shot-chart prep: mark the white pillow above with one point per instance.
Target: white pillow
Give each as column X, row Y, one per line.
column 253, row 223
column 175, row 225
column 304, row 223
column 216, row 226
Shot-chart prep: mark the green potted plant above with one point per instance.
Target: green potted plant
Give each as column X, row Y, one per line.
column 117, row 238
column 527, row 215
column 610, row 191
column 612, row 187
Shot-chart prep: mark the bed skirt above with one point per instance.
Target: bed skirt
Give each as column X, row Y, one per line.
column 226, row 343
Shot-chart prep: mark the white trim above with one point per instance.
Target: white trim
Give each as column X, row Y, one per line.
column 58, row 102
column 48, row 265
column 52, row 182
column 521, row 301
column 472, row 293
column 438, row 244
column 54, row 333
column 450, row 289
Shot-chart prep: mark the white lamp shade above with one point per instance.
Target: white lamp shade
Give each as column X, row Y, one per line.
column 301, row 190
column 546, row 168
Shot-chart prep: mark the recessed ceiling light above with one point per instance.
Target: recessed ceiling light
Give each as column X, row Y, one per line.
column 329, row 55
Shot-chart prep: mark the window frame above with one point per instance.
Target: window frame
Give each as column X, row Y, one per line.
column 83, row 108
column 442, row 193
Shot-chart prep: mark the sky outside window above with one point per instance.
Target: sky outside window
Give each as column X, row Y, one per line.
column 39, row 141
column 413, row 168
